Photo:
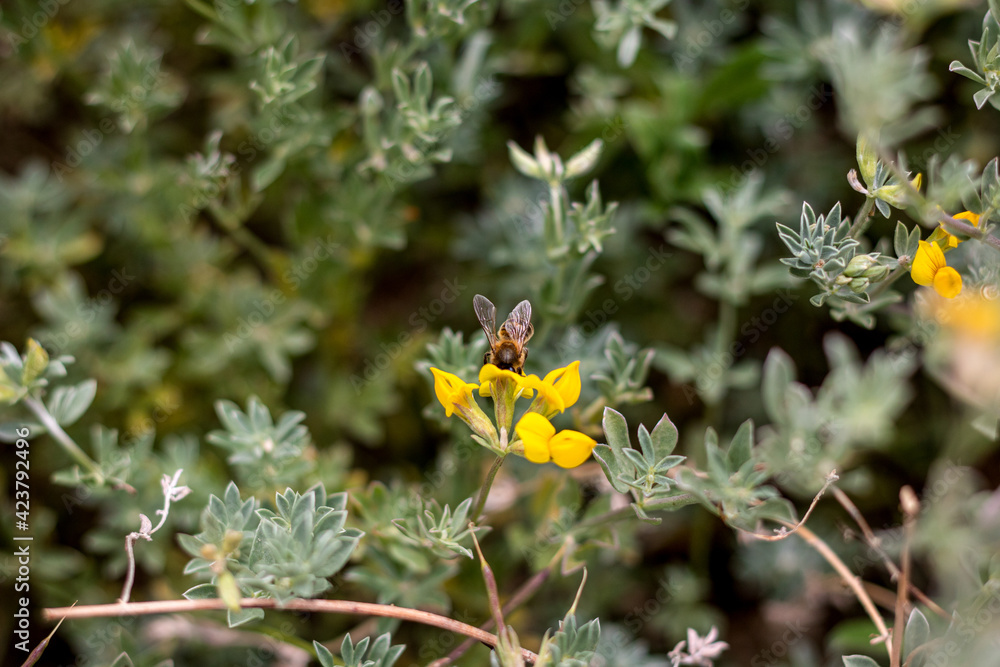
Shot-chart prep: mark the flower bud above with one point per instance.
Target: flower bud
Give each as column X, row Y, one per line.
column 231, row 541
column 859, row 285
column 858, row 265
column 898, row 195
column 867, row 158
column 876, row 273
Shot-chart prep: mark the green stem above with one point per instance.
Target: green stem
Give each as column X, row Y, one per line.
column 724, row 340
column 727, row 326
column 556, row 202
column 622, row 512
column 862, row 220
column 954, row 226
column 67, row 443
column 519, row 597
column 487, row 484
column 896, row 274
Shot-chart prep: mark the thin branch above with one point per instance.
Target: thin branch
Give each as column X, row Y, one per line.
column 174, row 628
column 911, row 507
column 849, row 578
column 319, row 606
column 887, row 282
column 57, row 432
column 622, row 512
column 863, row 218
column 784, row 531
column 484, row 491
column 171, row 492
column 492, row 592
column 520, row 596
column 69, row 445
column 953, row 226
column 873, row 543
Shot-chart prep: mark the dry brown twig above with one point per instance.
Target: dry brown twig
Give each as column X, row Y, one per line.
column 873, row 543
column 319, row 606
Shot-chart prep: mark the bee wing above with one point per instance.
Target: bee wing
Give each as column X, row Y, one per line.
column 518, row 326
column 486, row 313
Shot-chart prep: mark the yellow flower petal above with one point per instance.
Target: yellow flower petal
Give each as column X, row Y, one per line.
column 451, row 390
column 566, row 381
column 948, row 282
column 968, row 215
column 571, row 448
column 535, row 431
column 490, row 373
column 548, row 397
column 947, row 240
column 928, row 261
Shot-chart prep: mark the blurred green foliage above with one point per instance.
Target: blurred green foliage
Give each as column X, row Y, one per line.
column 288, row 206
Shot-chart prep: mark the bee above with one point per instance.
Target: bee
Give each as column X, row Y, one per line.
column 507, row 345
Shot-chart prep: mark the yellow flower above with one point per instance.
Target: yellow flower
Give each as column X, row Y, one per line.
column 455, row 394
column 542, row 444
column 946, row 240
column 973, row 316
column 929, row 268
column 452, row 391
column 490, row 374
column 559, row 390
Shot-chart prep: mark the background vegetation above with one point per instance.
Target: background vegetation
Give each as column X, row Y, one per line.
column 255, row 226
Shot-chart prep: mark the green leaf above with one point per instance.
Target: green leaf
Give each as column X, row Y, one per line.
column 524, row 163
column 740, row 447
column 34, row 362
column 67, row 404
column 266, row 173
column 982, row 96
column 616, row 431
column 612, row 466
column 917, row 631
column 628, row 47
column 664, row 437
column 859, row 661
column 323, row 655
column 779, row 373
column 235, row 618
column 201, row 591
column 959, row 68
column 646, row 444
column 585, row 160
column 899, row 237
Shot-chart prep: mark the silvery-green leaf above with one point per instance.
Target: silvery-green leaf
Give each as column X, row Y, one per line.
column 628, row 47
column 524, row 163
column 585, row 160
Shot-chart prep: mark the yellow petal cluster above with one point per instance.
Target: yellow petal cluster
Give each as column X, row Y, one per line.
column 539, row 441
column 559, row 389
column 542, row 444
column 945, row 239
column 452, row 391
column 929, row 268
column 489, row 374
